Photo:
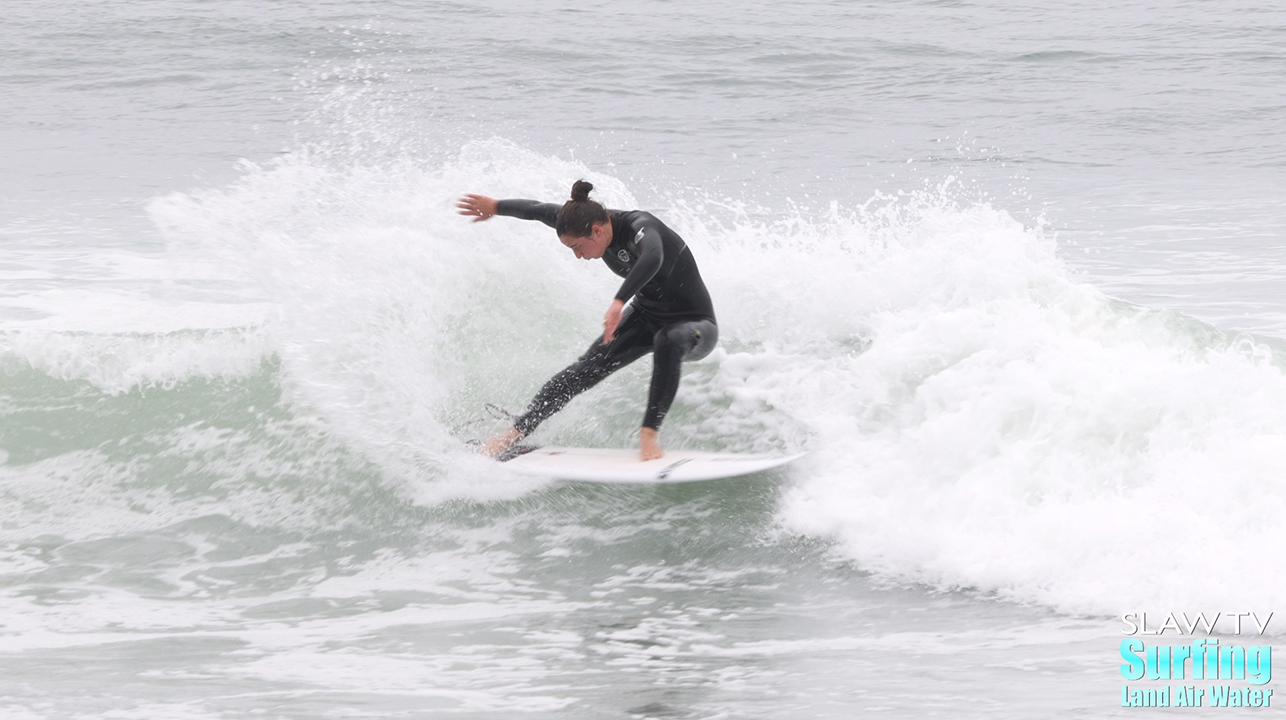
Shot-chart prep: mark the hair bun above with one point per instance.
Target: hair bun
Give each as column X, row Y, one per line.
column 581, row 190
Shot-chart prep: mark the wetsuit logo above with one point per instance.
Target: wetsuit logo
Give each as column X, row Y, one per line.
column 624, row 255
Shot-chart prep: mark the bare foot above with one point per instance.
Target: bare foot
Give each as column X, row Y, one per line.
column 500, row 442
column 649, row 448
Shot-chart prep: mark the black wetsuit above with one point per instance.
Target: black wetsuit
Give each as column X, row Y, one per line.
column 670, row 314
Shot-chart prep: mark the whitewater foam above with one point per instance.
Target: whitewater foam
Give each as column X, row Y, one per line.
column 977, row 416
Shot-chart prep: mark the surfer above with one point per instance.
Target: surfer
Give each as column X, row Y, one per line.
column 661, row 308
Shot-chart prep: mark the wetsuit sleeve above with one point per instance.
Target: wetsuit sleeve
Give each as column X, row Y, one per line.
column 651, row 255
column 528, row 210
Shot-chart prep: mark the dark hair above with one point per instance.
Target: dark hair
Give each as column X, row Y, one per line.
column 577, row 216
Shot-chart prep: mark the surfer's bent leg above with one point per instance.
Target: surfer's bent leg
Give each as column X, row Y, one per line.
column 633, row 340
column 671, row 346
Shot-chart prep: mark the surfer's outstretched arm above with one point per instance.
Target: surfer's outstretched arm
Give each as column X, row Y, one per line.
column 481, row 207
column 528, row 210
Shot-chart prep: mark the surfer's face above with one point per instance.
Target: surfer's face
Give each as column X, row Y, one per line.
column 592, row 246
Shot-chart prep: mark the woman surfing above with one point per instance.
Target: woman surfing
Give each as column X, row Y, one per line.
column 661, row 308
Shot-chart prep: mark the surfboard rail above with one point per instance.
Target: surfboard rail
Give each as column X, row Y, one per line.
column 622, row 465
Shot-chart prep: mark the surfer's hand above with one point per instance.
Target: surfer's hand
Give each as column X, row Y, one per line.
column 479, row 207
column 611, row 320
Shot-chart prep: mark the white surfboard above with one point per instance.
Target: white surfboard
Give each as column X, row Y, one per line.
column 607, row 465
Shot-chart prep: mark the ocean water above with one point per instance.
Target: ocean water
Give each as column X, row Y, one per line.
column 1010, row 273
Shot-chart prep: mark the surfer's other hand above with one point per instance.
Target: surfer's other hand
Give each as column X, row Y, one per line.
column 478, row 207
